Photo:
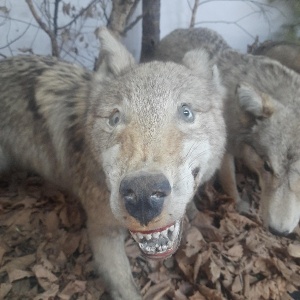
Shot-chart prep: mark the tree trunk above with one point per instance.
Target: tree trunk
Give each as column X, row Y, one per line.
column 151, row 28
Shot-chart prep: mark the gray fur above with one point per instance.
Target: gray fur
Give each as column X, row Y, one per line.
column 286, row 53
column 56, row 119
column 262, row 114
column 176, row 44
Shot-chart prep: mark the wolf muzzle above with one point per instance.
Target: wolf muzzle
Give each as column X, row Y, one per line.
column 143, row 194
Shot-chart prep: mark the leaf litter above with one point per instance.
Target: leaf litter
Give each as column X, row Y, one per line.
column 45, row 254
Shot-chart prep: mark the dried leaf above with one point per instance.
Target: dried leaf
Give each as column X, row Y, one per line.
column 215, row 271
column 4, row 289
column 52, row 221
column 158, row 288
column 197, row 296
column 72, row 288
column 16, row 274
column 194, row 241
column 237, row 284
column 210, row 293
column 294, row 250
column 20, row 263
column 200, row 261
column 235, row 252
column 45, row 278
column 179, row 296
column 3, row 250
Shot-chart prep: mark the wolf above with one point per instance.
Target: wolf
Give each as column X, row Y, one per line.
column 131, row 141
column 285, row 52
column 262, row 116
column 188, row 39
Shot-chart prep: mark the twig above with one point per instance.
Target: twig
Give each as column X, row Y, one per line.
column 229, row 23
column 19, row 21
column 189, row 4
column 132, row 10
column 17, row 38
column 194, row 13
column 55, row 17
column 132, row 24
column 82, row 11
column 51, row 35
column 103, row 6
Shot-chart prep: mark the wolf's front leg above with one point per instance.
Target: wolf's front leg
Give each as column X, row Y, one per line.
column 228, row 182
column 227, row 177
column 113, row 265
column 107, row 242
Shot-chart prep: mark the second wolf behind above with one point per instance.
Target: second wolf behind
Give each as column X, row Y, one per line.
column 286, row 53
column 262, row 114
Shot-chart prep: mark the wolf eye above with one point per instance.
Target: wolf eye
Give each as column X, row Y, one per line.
column 114, row 118
column 267, row 167
column 186, row 113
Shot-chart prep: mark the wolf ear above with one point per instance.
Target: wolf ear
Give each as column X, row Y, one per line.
column 199, row 61
column 254, row 102
column 114, row 56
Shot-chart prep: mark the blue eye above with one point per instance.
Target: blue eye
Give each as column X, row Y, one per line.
column 186, row 113
column 114, row 119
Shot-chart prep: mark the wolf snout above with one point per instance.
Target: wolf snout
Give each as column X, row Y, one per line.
column 143, row 194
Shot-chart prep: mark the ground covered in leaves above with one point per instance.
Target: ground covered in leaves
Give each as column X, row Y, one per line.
column 44, row 251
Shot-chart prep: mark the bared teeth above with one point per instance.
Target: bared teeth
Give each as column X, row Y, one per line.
column 158, row 241
column 165, row 233
column 156, row 235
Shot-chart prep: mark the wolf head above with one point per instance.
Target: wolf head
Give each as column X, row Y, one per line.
column 158, row 132
column 272, row 149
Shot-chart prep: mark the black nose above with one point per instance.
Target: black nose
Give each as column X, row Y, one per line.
column 278, row 233
column 143, row 194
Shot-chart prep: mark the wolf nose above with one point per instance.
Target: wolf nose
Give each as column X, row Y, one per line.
column 144, row 194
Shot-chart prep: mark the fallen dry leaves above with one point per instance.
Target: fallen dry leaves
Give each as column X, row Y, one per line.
column 44, row 251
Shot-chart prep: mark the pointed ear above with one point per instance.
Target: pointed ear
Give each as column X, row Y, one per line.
column 114, row 56
column 256, row 103
column 201, row 64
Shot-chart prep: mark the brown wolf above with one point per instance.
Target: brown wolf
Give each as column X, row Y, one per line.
column 286, row 53
column 262, row 114
column 133, row 142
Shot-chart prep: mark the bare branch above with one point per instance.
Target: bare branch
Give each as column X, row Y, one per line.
column 229, row 23
column 51, row 35
column 132, row 24
column 119, row 15
column 262, row 8
column 103, row 6
column 189, row 4
column 254, row 2
column 17, row 38
column 55, row 17
column 82, row 11
column 18, row 20
column 194, row 13
column 132, row 10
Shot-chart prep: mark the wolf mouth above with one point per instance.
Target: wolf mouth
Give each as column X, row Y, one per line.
column 159, row 243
